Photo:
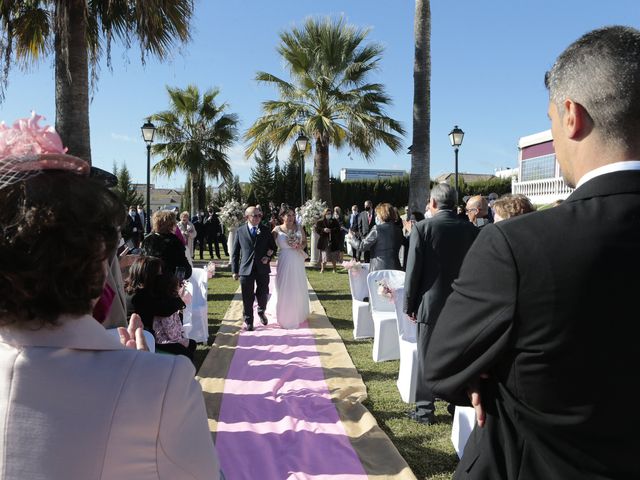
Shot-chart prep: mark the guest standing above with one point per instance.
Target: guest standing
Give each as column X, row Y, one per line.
column 384, row 240
column 188, row 231
column 163, row 243
column 328, row 231
column 366, row 221
column 542, row 325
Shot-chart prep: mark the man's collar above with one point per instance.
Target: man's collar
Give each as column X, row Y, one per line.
column 609, row 168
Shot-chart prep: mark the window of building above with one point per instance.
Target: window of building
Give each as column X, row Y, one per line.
column 538, row 168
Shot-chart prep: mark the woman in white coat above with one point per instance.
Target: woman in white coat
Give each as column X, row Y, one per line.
column 75, row 403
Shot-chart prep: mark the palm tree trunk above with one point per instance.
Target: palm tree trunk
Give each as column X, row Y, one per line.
column 321, row 189
column 72, row 77
column 419, row 181
column 194, row 194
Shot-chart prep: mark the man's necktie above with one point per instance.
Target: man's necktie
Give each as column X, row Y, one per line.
column 253, row 232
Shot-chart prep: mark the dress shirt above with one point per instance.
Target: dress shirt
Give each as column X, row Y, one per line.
column 610, row 168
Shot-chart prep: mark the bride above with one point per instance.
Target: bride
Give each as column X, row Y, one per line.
column 291, row 294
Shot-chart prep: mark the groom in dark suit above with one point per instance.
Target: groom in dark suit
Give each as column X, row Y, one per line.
column 253, row 248
column 542, row 327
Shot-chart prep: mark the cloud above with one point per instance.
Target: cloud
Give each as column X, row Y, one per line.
column 124, row 138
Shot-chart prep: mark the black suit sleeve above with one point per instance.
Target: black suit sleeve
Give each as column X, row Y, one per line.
column 414, row 268
column 235, row 253
column 474, row 330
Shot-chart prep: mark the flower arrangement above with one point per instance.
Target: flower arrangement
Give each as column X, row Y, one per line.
column 232, row 214
column 312, row 212
column 353, row 265
column 27, row 138
column 211, row 269
column 385, row 290
column 294, row 239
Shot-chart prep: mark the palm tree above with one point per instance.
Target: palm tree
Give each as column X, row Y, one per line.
column 328, row 97
column 78, row 32
column 419, row 180
column 197, row 135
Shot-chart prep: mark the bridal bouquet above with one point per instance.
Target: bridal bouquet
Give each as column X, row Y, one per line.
column 312, row 212
column 231, row 214
column 385, row 290
column 294, row 240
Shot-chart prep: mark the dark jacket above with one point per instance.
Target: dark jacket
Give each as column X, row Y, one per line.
column 247, row 251
column 167, row 247
column 384, row 242
column 148, row 305
column 329, row 241
column 546, row 305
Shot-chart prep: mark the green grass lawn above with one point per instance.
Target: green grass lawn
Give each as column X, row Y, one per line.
column 427, row 449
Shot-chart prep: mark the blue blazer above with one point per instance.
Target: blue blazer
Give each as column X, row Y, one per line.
column 247, row 251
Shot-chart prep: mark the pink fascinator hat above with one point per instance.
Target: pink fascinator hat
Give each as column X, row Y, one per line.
column 27, row 149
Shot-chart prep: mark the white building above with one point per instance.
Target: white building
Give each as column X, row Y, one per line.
column 539, row 176
column 369, row 174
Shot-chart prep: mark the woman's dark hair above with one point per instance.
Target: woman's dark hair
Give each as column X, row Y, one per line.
column 143, row 273
column 56, row 230
column 417, row 215
column 284, row 209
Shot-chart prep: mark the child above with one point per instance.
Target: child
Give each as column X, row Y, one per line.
column 155, row 298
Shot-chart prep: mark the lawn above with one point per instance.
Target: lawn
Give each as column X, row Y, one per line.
column 427, row 449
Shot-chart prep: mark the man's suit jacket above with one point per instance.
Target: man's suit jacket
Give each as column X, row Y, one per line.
column 364, row 225
column 248, row 251
column 437, row 247
column 75, row 404
column 547, row 305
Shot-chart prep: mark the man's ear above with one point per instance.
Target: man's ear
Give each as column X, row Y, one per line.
column 576, row 120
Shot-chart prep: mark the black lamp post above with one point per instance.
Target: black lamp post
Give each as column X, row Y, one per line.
column 148, row 131
column 301, row 144
column 455, row 136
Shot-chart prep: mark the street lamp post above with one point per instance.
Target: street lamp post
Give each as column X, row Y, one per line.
column 301, row 144
column 455, row 136
column 148, row 131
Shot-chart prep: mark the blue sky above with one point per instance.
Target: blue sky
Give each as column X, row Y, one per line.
column 488, row 63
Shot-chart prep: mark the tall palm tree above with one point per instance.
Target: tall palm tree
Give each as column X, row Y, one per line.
column 419, row 181
column 196, row 136
column 328, row 97
column 78, row 32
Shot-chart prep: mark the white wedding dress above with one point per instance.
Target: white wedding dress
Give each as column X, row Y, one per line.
column 291, row 296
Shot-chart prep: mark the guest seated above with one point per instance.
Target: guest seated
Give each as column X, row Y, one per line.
column 81, row 405
column 155, row 298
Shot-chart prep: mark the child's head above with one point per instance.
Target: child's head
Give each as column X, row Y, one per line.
column 143, row 273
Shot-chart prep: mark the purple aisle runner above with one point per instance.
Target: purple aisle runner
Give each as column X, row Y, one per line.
column 277, row 420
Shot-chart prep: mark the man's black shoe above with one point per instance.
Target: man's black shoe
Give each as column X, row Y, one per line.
column 425, row 420
column 248, row 327
column 263, row 318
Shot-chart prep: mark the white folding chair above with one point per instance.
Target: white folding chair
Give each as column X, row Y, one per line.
column 408, row 372
column 464, row 421
column 196, row 315
column 386, row 345
column 362, row 321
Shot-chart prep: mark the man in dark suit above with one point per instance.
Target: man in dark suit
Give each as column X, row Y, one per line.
column 201, row 233
column 542, row 326
column 133, row 229
column 437, row 246
column 253, row 248
column 353, row 230
column 366, row 221
column 213, row 231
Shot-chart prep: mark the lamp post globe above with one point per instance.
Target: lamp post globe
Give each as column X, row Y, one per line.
column 301, row 145
column 148, row 132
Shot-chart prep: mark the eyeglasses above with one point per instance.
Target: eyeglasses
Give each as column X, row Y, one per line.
column 255, row 215
column 471, row 210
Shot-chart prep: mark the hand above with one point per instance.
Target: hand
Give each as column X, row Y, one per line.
column 235, row 276
column 413, row 318
column 133, row 337
column 264, row 260
column 476, row 401
column 326, row 230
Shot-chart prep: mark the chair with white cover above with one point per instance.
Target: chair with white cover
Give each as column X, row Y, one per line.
column 195, row 321
column 362, row 321
column 464, row 421
column 386, row 345
column 407, row 337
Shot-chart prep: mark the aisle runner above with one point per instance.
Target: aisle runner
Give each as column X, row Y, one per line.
column 289, row 407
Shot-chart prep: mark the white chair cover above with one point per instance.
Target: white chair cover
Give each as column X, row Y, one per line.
column 362, row 321
column 408, row 372
column 195, row 317
column 464, row 421
column 386, row 345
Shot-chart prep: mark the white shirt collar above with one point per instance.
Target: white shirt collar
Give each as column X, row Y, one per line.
column 610, row 168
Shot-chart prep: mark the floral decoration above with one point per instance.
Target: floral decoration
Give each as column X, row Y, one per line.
column 26, row 137
column 312, row 212
column 232, row 214
column 211, row 269
column 386, row 291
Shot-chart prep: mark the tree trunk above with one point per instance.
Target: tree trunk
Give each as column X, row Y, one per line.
column 72, row 77
column 419, row 181
column 194, row 195
column 321, row 188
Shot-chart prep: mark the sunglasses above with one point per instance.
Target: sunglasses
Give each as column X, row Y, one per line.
column 255, row 215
